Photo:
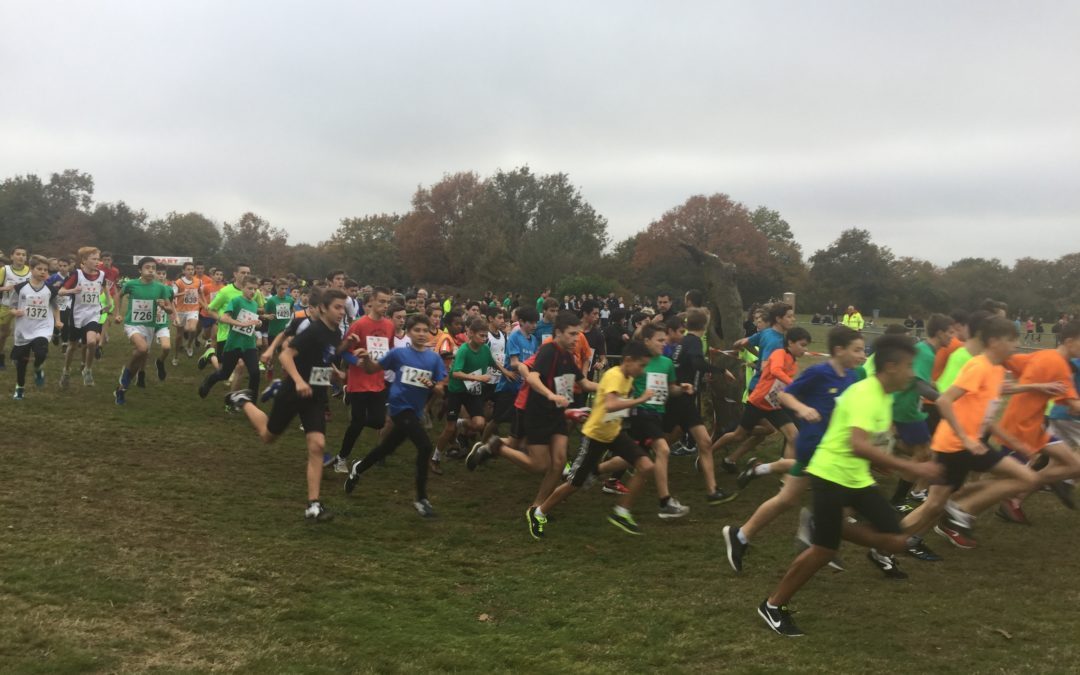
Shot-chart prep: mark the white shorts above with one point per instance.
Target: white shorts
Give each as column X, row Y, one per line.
column 1066, row 431
column 184, row 317
column 163, row 333
column 147, row 332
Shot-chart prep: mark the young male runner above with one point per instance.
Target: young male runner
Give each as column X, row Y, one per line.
column 35, row 315
column 521, row 345
column 812, row 397
column 241, row 315
column 417, row 371
column 63, row 302
column 366, row 390
column 189, row 302
column 162, row 330
column 601, row 434
column 10, row 276
column 210, row 288
column 222, row 298
column 141, row 297
column 308, row 365
column 968, row 411
column 86, row 284
column 840, row 476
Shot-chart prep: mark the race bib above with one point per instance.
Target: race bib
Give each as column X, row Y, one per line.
column 414, row 376
column 320, row 376
column 160, row 316
column 773, row 397
column 472, row 386
column 564, row 386
column 246, row 315
column 659, row 384
column 89, row 297
column 283, row 311
column 191, row 297
column 377, row 347
column 37, row 312
column 618, row 414
column 142, row 311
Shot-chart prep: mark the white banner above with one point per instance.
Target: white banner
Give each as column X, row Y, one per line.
column 163, row 259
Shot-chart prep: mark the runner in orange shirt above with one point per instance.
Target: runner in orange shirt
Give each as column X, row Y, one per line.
column 188, row 304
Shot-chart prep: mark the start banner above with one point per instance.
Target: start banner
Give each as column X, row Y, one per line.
column 163, row 259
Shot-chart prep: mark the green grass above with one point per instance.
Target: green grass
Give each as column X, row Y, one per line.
column 162, row 536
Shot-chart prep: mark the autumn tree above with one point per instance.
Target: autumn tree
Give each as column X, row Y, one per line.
column 253, row 240
column 186, row 234
column 853, row 270
column 368, row 248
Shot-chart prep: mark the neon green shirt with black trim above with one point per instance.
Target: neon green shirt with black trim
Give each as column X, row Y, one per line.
column 907, row 404
column 659, row 375
column 957, row 360
column 472, row 362
column 241, row 309
column 142, row 303
column 864, row 405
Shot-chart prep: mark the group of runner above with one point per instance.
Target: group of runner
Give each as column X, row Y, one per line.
column 511, row 382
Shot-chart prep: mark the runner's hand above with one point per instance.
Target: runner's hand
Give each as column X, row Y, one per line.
column 303, row 390
column 975, row 447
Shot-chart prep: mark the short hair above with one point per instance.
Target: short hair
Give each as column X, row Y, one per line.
column 333, row 273
column 20, row 248
column 696, row 297
column 314, row 294
column 566, row 320
column 648, row 330
column 473, row 303
column 976, row 320
column 375, row 291
column 186, row 264
column 638, row 317
column 104, row 254
column 527, row 314
column 252, row 281
column 840, row 337
column 36, row 260
column 997, row 327
column 635, row 350
column 675, row 323
column 960, row 316
column 797, row 334
column 663, row 294
column 449, row 317
column 1070, row 330
column 328, row 295
column 238, row 265
column 87, row 251
column 477, row 324
column 492, row 312
column 146, row 259
column 396, row 307
column 418, row 319
column 992, row 306
column 776, row 311
column 938, row 323
column 891, row 349
column 589, row 306
column 550, row 303
column 696, row 319
column 352, row 283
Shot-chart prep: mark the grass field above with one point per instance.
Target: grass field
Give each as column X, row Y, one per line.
column 161, row 536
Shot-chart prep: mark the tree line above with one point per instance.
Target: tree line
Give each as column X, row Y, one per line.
column 519, row 231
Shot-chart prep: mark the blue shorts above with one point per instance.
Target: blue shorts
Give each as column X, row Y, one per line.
column 206, row 321
column 806, row 443
column 913, row 433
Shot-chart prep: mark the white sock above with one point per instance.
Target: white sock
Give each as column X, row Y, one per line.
column 539, row 513
column 762, row 469
column 770, row 605
column 620, row 511
column 741, row 537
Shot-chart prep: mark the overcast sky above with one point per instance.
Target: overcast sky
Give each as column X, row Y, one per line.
column 946, row 129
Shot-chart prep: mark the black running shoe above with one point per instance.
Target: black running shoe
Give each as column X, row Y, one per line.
column 747, row 474
column 204, row 388
column 919, row 550
column 237, row 399
column 887, row 564
column 735, row 548
column 720, row 497
column 625, row 523
column 779, row 619
column 729, row 467
column 140, row 380
column 1064, row 492
column 353, row 479
column 161, row 374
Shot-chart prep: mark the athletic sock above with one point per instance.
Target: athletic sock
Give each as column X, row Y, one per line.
column 623, row 512
column 902, row 489
column 770, row 605
column 762, row 469
column 540, row 515
column 664, row 501
column 741, row 537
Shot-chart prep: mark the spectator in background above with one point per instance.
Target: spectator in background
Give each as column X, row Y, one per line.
column 853, row 319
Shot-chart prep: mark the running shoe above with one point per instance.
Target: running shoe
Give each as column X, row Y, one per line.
column 920, row 551
column 729, row 466
column 681, row 449
column 1011, row 512
column 175, row 361
column 955, row 534
column 625, row 523
column 887, row 564
column 424, row 508
column 1064, row 492
column 779, row 620
column 341, row 465
column 237, row 399
column 88, row 378
column 435, row 466
column 161, row 374
column 317, row 512
column 837, row 563
column 673, row 509
column 747, row 474
column 125, row 378
column 477, row 456
column 903, row 509
column 270, row 392
column 720, row 497
column 614, row 486
column 19, row 393
column 65, row 379
column 353, row 479
column 190, row 352
column 328, row 459
column 120, row 395
column 140, row 380
column 204, row 388
column 205, row 358
column 918, row 495
column 735, row 548
column 536, row 523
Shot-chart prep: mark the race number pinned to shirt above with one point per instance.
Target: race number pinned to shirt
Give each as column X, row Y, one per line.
column 415, row 377
column 320, row 376
column 243, row 317
column 142, row 311
column 377, row 347
column 283, row 311
column 473, row 386
column 564, row 386
column 618, row 414
column 37, row 310
column 191, row 297
column 659, row 385
column 159, row 316
column 773, row 397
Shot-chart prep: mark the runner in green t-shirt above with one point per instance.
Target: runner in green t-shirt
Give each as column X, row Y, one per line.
column 241, row 319
column 278, row 309
column 143, row 297
column 840, row 476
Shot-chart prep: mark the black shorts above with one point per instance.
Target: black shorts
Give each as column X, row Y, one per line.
column 504, row 406
column 752, row 415
column 829, row 501
column 219, row 347
column 92, row 327
column 38, row 347
column 645, row 427
column 592, row 451
column 68, row 332
column 539, row 428
column 312, row 412
column 517, row 423
column 682, row 412
column 488, row 392
column 367, row 408
column 456, row 400
column 959, row 464
column 581, row 400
